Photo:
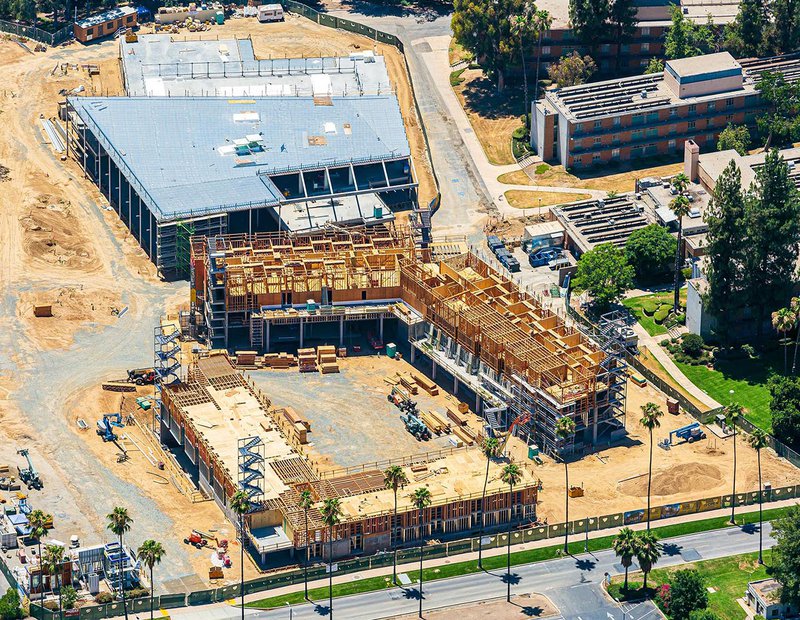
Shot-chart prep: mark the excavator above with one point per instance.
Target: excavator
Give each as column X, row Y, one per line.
column 105, row 426
column 28, row 474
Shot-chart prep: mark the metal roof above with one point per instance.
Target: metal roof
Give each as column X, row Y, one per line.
column 105, row 16
column 179, row 151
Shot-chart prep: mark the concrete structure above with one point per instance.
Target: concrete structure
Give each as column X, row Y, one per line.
column 233, row 438
column 105, row 24
column 763, row 597
column 705, row 168
column 631, row 118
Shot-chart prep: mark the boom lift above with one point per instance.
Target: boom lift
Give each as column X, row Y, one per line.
column 28, row 474
column 104, row 426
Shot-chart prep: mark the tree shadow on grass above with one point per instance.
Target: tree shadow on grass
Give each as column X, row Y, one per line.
column 481, row 98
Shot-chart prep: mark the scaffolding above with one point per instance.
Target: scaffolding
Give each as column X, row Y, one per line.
column 166, row 363
column 251, row 468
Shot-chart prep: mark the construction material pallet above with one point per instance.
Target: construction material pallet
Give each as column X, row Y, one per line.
column 118, row 386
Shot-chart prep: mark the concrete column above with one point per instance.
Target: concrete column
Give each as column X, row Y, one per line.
column 433, row 373
column 380, row 325
column 108, row 159
column 455, row 385
column 139, row 200
column 84, row 151
column 413, row 353
column 301, row 333
column 477, row 404
column 266, row 336
column 130, row 206
column 341, row 331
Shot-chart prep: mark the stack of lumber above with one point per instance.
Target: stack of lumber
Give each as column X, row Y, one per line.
column 463, row 407
column 441, row 420
column 301, row 432
column 279, row 360
column 329, row 368
column 426, row 384
column 458, row 418
column 464, row 434
column 433, row 422
column 246, row 359
column 295, row 418
column 307, row 360
column 407, row 381
column 326, row 358
column 342, row 351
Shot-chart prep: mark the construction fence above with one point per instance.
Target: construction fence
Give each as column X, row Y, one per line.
column 37, row 34
column 578, row 528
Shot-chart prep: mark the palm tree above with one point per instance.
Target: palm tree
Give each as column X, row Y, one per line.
column 784, row 320
column 331, row 516
column 650, row 414
column 394, row 478
column 490, row 448
column 521, row 25
column 648, row 551
column 51, row 562
column 758, row 441
column 511, row 475
column 306, row 502
column 421, row 498
column 542, row 20
column 240, row 504
column 151, row 553
column 624, row 546
column 119, row 522
column 37, row 521
column 680, row 207
column 794, row 305
column 565, row 428
column 732, row 413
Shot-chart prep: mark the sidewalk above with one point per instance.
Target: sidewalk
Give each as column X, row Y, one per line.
column 194, row 612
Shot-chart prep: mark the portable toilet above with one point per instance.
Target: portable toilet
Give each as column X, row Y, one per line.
column 220, row 17
column 391, row 349
column 533, row 451
column 377, row 212
column 311, row 306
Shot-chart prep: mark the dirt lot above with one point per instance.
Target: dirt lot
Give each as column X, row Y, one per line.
column 615, row 479
column 622, row 181
column 298, row 36
column 525, row 606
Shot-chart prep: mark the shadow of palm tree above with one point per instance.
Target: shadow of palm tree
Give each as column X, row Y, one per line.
column 671, row 549
column 322, row 610
column 514, row 578
column 412, row 594
column 584, row 564
column 750, row 528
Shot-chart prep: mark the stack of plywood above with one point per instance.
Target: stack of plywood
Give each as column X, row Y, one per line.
column 426, row 384
column 279, row 360
column 246, row 359
column 433, row 422
column 441, row 420
column 342, row 351
column 301, row 432
column 329, row 368
column 295, row 418
column 408, row 382
column 458, row 418
column 307, row 360
column 326, row 357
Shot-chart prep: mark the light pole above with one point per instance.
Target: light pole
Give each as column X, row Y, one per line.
column 291, row 610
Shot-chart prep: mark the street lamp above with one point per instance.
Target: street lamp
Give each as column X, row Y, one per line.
column 291, row 610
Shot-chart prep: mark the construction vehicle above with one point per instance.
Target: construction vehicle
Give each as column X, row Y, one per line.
column 196, row 539
column 689, row 433
column 28, row 474
column 416, row 427
column 105, row 426
column 142, row 376
column 520, row 419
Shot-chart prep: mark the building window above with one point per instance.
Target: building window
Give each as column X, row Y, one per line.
column 671, row 145
column 129, row 19
column 729, row 118
column 643, row 62
column 90, row 31
column 691, row 124
column 615, row 138
column 645, row 47
column 729, row 102
column 598, row 124
column 614, row 153
column 546, row 50
column 673, row 129
column 673, row 111
column 625, row 48
column 617, row 121
column 637, row 119
column 710, row 137
column 692, row 109
column 598, row 140
column 605, row 48
column 646, row 31
column 652, row 132
column 712, row 105
column 596, row 158
column 636, row 134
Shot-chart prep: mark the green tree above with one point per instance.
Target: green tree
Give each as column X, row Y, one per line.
column 331, row 516
column 794, row 306
column 736, row 137
column 52, row 562
column 650, row 251
column 530, row 23
column 565, row 429
column 704, row 614
column 784, row 408
column 394, row 478
column 69, row 597
column 732, row 414
column 490, row 448
column 786, row 555
column 151, row 552
column 726, row 248
column 624, row 546
column 783, row 321
column 648, row 552
column 623, row 22
column 745, row 36
column 119, row 524
column 656, row 65
column 239, row 503
column 571, row 70
column 484, row 27
column 650, row 420
column 687, row 593
column 680, row 207
column 542, row 22
column 604, row 272
column 589, row 20
column 785, row 33
column 780, row 122
column 511, row 475
column 758, row 441
column 37, row 521
column 10, row 605
column 772, row 210
column 684, row 38
column 421, row 498
column 306, row 501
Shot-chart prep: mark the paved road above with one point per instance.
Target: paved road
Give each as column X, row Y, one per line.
column 572, row 583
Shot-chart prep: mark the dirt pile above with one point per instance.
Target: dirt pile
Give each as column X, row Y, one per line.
column 683, row 478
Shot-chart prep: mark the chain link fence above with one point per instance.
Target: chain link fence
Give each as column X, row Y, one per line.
column 37, row 34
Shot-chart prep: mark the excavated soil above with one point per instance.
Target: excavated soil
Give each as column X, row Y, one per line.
column 682, row 478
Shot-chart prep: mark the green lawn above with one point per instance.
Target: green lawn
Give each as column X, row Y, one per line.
column 728, row 576
column 746, row 377
column 499, row 562
column 634, row 304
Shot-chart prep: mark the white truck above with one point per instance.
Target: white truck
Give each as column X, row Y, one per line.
column 270, row 13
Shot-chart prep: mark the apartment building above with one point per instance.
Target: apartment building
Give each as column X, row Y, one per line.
column 647, row 115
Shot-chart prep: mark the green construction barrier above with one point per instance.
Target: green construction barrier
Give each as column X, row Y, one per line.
column 607, row 521
column 328, row 20
column 461, row 546
column 228, row 592
column 781, row 493
column 378, row 561
column 169, row 601
column 556, row 530
column 536, row 533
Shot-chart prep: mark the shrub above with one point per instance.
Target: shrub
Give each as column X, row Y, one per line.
column 10, row 605
column 686, row 273
column 692, row 345
column 455, row 78
column 748, row 350
column 51, row 605
column 68, row 597
column 664, row 343
column 138, row 592
column 541, row 168
column 520, row 133
column 661, row 314
column 681, row 318
column 103, row 598
column 650, row 306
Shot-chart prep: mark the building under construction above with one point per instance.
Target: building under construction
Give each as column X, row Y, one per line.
column 234, row 439
column 465, row 325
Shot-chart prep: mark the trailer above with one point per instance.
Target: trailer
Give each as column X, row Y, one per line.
column 270, row 13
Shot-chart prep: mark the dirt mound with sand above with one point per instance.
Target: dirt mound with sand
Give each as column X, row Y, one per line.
column 684, row 478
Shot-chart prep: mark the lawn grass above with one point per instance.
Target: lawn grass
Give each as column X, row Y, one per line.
column 728, row 576
column 622, row 178
column 746, row 377
column 634, row 304
column 455, row 77
column 521, row 199
column 456, row 569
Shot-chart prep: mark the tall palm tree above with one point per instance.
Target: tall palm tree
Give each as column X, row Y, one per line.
column 394, row 478
column 565, row 428
column 680, row 207
column 511, row 475
column 306, row 502
column 648, row 552
column 783, row 321
column 758, row 441
column 732, row 413
column 150, row 553
column 37, row 521
column 490, row 448
column 240, row 504
column 520, row 26
column 421, row 498
column 119, row 523
column 624, row 546
column 650, row 414
column 331, row 516
column 51, row 562
column 794, row 305
column 542, row 20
